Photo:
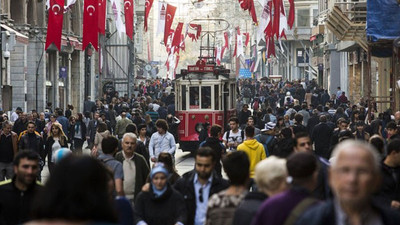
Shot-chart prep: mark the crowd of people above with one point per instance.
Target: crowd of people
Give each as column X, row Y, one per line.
column 293, row 154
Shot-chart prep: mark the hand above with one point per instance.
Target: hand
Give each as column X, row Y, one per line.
column 153, row 159
column 395, row 205
column 94, row 152
column 146, row 187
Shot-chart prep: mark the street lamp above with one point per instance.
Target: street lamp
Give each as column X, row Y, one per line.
column 6, row 56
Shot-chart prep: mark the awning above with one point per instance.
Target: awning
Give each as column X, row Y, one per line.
column 18, row 36
column 75, row 43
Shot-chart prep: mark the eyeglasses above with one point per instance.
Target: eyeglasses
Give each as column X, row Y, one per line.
column 201, row 194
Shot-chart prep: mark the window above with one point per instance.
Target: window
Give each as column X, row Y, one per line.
column 194, row 97
column 206, row 97
column 216, row 97
column 183, row 97
column 303, row 18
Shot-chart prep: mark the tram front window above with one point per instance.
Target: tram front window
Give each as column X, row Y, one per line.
column 206, row 97
column 194, row 97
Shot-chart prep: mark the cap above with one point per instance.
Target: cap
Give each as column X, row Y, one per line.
column 158, row 168
column 61, row 153
column 268, row 126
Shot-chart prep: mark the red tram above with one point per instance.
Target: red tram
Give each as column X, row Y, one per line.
column 205, row 92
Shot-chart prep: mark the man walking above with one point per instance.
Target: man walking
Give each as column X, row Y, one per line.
column 134, row 167
column 199, row 184
column 161, row 141
column 8, row 150
column 16, row 195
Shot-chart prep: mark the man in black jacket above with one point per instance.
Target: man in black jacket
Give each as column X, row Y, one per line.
column 16, row 195
column 199, row 184
column 320, row 136
column 354, row 177
column 216, row 145
column 389, row 193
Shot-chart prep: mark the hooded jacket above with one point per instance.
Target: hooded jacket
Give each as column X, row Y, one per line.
column 255, row 151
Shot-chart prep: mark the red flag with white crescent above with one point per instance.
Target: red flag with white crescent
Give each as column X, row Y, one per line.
column 54, row 26
column 252, row 11
column 102, row 16
column 147, row 6
column 291, row 14
column 277, row 15
column 169, row 18
column 90, row 24
column 128, row 9
column 177, row 36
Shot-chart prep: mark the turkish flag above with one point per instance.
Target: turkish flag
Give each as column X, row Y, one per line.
column 291, row 14
column 247, row 38
column 128, row 9
column 102, row 16
column 177, row 36
column 54, row 26
column 147, row 6
column 90, row 24
column 252, row 11
column 277, row 15
column 192, row 36
column 169, row 18
column 197, row 27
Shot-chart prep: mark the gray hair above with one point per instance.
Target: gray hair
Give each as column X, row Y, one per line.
column 270, row 172
column 130, row 135
column 6, row 123
column 351, row 144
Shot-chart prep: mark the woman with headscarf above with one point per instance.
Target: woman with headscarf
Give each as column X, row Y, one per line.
column 161, row 205
column 54, row 142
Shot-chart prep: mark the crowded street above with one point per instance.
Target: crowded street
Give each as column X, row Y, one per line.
column 200, row 112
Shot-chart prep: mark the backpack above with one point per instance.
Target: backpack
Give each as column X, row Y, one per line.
column 229, row 132
column 256, row 105
column 265, row 143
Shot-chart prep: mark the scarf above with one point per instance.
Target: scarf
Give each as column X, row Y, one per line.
column 157, row 192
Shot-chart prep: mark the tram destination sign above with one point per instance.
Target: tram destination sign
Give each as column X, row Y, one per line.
column 196, row 68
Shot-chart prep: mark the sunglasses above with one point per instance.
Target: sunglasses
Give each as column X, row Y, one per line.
column 201, row 194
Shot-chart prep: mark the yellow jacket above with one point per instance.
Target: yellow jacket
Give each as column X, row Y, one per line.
column 255, row 151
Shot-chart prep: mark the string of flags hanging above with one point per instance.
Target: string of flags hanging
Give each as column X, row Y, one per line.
column 272, row 25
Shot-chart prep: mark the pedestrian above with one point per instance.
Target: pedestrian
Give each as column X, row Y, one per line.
column 77, row 132
column 270, row 177
column 161, row 205
column 109, row 146
column 161, row 141
column 91, row 130
column 20, row 124
column 253, row 149
column 61, row 202
column 166, row 159
column 320, row 136
column 243, row 116
column 233, row 137
column 354, row 178
column 216, row 145
column 283, row 208
column 16, row 194
column 134, row 167
column 389, row 194
column 32, row 141
column 152, row 112
column 101, row 133
column 222, row 205
column 198, row 185
column 56, row 140
column 9, row 148
column 120, row 128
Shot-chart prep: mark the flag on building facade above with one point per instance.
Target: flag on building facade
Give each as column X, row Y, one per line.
column 119, row 24
column 102, row 16
column 55, row 23
column 147, row 6
column 162, row 9
column 129, row 9
column 90, row 24
column 169, row 18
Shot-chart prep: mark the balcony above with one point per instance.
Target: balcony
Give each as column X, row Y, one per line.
column 347, row 20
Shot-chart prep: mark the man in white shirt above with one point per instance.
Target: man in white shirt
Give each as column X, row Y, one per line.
column 232, row 138
column 161, row 141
